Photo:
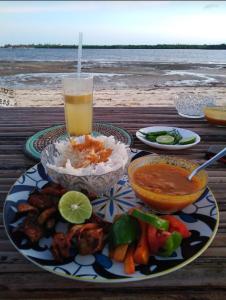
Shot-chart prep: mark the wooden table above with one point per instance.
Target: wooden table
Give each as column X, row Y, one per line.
column 205, row 278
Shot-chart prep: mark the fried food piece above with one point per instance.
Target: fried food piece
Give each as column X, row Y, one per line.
column 41, row 201
column 73, row 231
column 60, row 248
column 26, row 208
column 77, row 229
column 90, row 241
column 46, row 214
column 32, row 230
column 50, row 224
column 54, row 190
column 89, row 237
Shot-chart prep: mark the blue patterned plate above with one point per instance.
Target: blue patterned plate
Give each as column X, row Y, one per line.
column 202, row 219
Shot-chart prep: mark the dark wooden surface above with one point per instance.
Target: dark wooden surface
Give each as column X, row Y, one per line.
column 205, row 278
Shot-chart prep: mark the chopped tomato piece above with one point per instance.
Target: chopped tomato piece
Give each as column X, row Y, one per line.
column 177, row 225
column 162, row 236
column 152, row 239
column 156, row 239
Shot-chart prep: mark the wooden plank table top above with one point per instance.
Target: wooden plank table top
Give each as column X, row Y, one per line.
column 205, row 278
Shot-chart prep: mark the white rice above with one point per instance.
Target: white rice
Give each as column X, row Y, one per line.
column 63, row 163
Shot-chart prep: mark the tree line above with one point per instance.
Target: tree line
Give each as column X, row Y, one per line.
column 158, row 46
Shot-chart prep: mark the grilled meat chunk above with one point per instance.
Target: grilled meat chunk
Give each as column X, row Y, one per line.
column 41, row 201
column 60, row 248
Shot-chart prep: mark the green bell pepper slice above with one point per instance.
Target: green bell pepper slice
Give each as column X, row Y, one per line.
column 125, row 230
column 172, row 243
column 154, row 220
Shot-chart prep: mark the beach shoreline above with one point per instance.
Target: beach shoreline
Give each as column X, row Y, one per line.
column 121, row 83
column 163, row 96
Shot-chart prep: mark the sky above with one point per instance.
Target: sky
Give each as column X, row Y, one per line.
column 113, row 22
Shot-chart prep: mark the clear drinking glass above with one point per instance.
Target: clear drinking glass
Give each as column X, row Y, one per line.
column 78, row 104
column 192, row 106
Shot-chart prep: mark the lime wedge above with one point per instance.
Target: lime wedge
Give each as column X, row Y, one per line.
column 165, row 139
column 75, row 207
column 188, row 140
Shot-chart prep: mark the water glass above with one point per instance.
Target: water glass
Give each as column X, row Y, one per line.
column 191, row 106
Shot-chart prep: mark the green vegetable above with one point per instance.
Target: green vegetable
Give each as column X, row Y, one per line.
column 152, row 136
column 165, row 139
column 151, row 219
column 171, row 244
column 177, row 136
column 125, row 230
column 188, row 140
column 157, row 133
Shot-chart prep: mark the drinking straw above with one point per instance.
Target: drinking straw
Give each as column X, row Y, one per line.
column 79, row 53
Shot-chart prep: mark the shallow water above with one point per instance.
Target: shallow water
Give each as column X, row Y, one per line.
column 113, row 68
column 108, row 55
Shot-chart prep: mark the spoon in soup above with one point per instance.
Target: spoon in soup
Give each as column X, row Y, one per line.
column 208, row 163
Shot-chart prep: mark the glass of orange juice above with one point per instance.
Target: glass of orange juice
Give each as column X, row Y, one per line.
column 78, row 104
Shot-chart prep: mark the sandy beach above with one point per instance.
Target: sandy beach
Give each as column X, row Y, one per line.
column 163, row 96
column 38, row 83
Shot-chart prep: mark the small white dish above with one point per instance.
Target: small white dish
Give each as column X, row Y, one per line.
column 185, row 133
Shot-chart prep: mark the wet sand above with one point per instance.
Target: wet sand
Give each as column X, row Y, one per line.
column 126, row 67
column 38, row 83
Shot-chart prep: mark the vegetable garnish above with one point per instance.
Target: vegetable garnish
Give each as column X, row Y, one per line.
column 171, row 244
column 156, row 239
column 177, row 225
column 119, row 252
column 172, row 137
column 152, row 219
column 129, row 265
column 142, row 252
column 125, row 230
column 156, row 236
column 188, row 140
column 165, row 139
column 75, row 207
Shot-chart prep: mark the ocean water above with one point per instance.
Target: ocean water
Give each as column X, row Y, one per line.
column 114, row 55
column 121, row 68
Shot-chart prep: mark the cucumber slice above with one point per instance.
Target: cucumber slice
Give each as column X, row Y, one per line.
column 165, row 139
column 188, row 140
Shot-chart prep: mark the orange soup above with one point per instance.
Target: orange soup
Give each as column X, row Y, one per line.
column 166, row 179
